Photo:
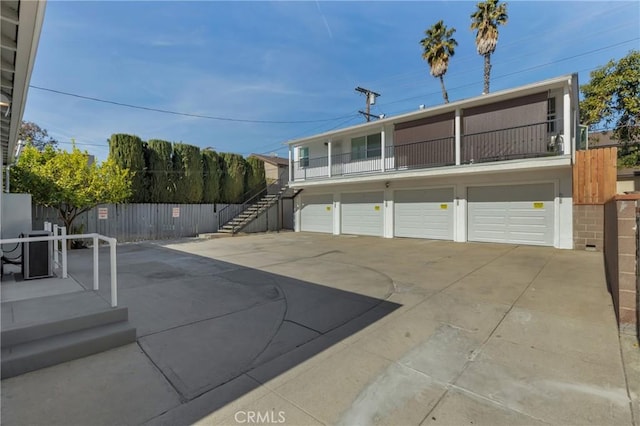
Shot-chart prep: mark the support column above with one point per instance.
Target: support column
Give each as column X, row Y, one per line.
column 388, row 213
column 329, row 157
column 290, row 163
column 567, row 140
column 460, row 214
column 337, row 216
column 383, row 149
column 458, row 135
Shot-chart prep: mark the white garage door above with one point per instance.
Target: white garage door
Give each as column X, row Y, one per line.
column 519, row 214
column 317, row 213
column 363, row 214
column 424, row 213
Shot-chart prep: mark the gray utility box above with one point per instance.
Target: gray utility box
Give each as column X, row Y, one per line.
column 36, row 256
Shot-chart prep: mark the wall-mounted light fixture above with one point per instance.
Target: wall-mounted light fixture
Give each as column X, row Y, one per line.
column 4, row 100
column 387, row 184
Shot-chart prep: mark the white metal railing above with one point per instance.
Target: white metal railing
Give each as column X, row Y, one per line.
column 63, row 253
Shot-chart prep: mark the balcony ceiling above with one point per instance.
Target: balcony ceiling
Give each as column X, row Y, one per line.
column 20, row 25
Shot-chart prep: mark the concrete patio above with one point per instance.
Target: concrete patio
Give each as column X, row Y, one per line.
column 308, row 329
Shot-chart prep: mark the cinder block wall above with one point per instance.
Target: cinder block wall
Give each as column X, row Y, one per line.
column 621, row 247
column 588, row 226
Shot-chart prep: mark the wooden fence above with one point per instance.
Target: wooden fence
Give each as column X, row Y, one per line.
column 594, row 175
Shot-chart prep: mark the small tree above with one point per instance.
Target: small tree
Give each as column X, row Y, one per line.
column 127, row 151
column 67, row 182
column 159, row 171
column 211, row 177
column 612, row 97
column 33, row 134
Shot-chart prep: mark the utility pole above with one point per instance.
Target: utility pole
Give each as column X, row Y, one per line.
column 370, row 97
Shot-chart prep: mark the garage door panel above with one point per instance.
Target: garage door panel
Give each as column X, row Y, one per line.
column 424, row 213
column 362, row 213
column 519, row 214
column 317, row 213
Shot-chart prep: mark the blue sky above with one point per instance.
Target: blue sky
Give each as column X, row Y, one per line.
column 297, row 62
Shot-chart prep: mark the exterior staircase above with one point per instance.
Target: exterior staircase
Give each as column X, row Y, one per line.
column 252, row 211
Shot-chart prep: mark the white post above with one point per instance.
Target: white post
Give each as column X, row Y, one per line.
column 63, row 232
column 95, row 264
column 458, row 133
column 290, row 164
column 56, row 245
column 383, row 150
column 114, row 276
column 566, row 122
column 329, row 158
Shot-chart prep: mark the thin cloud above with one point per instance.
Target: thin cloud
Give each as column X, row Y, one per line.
column 324, row 19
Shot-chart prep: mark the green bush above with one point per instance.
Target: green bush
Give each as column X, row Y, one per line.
column 128, row 152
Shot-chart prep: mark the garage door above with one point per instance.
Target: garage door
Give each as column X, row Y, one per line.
column 363, row 213
column 424, row 213
column 317, row 213
column 519, row 214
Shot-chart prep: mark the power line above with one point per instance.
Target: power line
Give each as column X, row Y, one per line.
column 186, row 114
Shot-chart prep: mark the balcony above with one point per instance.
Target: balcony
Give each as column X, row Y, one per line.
column 528, row 141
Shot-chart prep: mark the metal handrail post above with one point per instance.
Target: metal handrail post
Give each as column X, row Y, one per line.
column 63, row 231
column 96, row 275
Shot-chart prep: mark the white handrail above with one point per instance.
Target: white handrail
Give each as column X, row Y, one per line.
column 112, row 251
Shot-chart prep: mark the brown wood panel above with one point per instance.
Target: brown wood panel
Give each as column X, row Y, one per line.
column 594, row 176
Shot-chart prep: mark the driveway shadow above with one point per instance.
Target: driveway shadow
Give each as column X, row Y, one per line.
column 217, row 330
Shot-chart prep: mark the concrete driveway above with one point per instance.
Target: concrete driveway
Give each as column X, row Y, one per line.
column 308, row 329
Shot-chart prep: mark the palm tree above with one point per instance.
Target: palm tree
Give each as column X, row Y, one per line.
column 438, row 48
column 485, row 21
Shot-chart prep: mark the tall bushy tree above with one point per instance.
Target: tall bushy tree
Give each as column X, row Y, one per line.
column 211, row 177
column 127, row 151
column 485, row 21
column 68, row 182
column 159, row 170
column 234, row 170
column 187, row 173
column 612, row 97
column 35, row 135
column 255, row 177
column 438, row 46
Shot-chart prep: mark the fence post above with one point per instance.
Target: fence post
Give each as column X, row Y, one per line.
column 95, row 264
column 63, row 232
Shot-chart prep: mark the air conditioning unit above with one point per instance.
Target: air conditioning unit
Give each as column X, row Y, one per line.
column 36, row 256
column 555, row 143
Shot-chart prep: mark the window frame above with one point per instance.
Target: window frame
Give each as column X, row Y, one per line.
column 303, row 156
column 364, row 149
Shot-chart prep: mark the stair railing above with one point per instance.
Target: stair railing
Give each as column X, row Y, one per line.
column 231, row 211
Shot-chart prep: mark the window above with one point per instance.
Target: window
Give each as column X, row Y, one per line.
column 366, row 147
column 551, row 115
column 303, row 154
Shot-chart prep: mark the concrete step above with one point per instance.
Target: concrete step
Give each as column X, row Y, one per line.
column 27, row 332
column 37, row 354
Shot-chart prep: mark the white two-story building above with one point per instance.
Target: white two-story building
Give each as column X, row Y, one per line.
column 494, row 168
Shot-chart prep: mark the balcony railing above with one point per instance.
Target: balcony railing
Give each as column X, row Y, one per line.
column 528, row 141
